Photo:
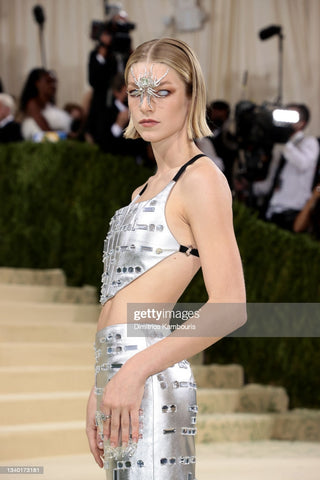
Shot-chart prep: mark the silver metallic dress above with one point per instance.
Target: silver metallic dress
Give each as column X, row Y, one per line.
column 165, row 450
column 138, row 239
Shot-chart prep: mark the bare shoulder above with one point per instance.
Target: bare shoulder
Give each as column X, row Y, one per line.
column 32, row 106
column 138, row 190
column 204, row 181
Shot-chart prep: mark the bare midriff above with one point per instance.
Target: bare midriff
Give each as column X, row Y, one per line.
column 164, row 283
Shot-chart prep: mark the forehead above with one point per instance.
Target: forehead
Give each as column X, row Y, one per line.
column 152, row 70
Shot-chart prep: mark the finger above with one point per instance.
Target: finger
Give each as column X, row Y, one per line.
column 99, row 441
column 125, row 427
column 96, row 452
column 106, row 427
column 114, row 428
column 134, row 419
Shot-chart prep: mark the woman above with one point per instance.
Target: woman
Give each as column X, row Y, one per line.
column 179, row 220
column 39, row 114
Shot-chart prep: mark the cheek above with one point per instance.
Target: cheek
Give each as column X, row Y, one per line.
column 133, row 104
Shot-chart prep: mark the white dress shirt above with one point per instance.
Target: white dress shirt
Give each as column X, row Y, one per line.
column 301, row 153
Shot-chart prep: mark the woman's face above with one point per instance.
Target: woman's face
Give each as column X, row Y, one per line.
column 46, row 85
column 158, row 102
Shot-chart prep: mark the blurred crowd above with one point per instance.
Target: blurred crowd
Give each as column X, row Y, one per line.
column 277, row 177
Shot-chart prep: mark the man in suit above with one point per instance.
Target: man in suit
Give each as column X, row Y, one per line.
column 10, row 131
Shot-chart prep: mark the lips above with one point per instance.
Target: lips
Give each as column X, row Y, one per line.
column 148, row 122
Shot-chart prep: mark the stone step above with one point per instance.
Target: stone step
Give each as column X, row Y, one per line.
column 52, row 404
column 299, row 424
column 19, row 409
column 47, row 293
column 48, row 439
column 257, row 398
column 252, row 398
column 28, row 276
column 29, row 379
column 55, row 438
column 57, row 354
column 17, row 331
column 264, row 460
column 218, row 376
column 65, row 438
column 215, row 400
column 48, row 312
column 234, row 427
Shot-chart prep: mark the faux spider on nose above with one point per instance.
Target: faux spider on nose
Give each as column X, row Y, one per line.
column 147, row 83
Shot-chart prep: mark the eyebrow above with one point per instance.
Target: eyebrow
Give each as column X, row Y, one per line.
column 166, row 82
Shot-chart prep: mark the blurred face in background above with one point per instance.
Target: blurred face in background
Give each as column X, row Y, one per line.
column 47, row 86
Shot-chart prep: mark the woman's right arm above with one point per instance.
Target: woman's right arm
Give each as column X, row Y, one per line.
column 95, row 442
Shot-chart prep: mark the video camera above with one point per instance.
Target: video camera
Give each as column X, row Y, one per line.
column 258, row 128
column 121, row 40
column 264, row 124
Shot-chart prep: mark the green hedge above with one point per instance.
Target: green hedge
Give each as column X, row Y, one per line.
column 56, row 202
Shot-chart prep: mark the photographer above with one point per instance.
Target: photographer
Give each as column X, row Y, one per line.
column 291, row 174
column 101, row 70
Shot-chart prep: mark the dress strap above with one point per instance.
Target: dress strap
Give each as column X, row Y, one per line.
column 189, row 250
column 182, row 169
column 140, row 193
column 180, row 172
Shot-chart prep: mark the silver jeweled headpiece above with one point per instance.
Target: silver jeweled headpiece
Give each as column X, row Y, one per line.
column 146, row 84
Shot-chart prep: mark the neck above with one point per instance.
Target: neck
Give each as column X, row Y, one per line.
column 42, row 100
column 171, row 156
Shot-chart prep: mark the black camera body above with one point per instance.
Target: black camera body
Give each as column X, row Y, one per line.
column 121, row 40
column 257, row 132
column 256, row 126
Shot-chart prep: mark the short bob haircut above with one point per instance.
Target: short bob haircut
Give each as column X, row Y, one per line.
column 179, row 56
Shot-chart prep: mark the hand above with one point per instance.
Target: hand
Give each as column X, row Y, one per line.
column 95, row 442
column 316, row 192
column 122, row 400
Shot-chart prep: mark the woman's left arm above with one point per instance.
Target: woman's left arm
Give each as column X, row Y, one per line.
column 207, row 204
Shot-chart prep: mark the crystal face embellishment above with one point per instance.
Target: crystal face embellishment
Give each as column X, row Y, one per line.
column 147, row 83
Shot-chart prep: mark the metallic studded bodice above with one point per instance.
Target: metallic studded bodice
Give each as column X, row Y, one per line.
column 138, row 239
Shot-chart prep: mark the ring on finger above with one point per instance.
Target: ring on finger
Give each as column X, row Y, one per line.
column 105, row 417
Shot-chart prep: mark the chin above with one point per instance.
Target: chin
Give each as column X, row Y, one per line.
column 149, row 137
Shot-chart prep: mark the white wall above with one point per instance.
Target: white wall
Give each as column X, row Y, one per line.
column 227, row 46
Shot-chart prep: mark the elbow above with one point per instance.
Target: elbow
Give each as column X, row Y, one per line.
column 243, row 315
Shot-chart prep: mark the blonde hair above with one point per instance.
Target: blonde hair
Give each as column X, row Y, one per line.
column 179, row 56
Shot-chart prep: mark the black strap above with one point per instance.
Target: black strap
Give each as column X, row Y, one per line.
column 182, row 169
column 189, row 250
column 140, row 193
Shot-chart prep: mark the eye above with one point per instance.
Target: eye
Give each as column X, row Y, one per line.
column 163, row 93
column 134, row 93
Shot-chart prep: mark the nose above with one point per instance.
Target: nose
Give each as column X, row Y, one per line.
column 145, row 102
